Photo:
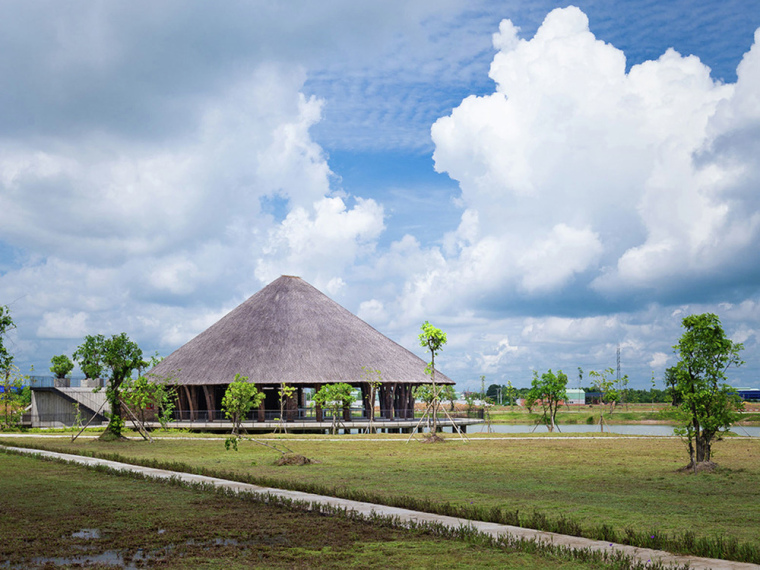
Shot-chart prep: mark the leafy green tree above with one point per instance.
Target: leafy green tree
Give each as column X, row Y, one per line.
column 11, row 379
column 61, row 366
column 335, row 397
column 144, row 393
column 709, row 405
column 12, row 398
column 374, row 380
column 604, row 384
column 510, row 394
column 433, row 340
column 550, row 390
column 448, row 394
column 89, row 355
column 285, row 392
column 240, row 398
column 6, row 325
column 121, row 357
column 671, row 385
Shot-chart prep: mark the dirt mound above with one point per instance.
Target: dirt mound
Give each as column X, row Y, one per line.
column 707, row 466
column 294, row 459
column 433, row 439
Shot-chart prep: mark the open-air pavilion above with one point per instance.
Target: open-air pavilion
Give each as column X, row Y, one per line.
column 289, row 332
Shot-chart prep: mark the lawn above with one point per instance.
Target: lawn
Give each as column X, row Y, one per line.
column 64, row 515
column 628, row 483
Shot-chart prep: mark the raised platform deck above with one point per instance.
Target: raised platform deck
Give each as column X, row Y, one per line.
column 312, row 426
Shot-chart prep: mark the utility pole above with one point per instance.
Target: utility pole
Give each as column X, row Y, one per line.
column 618, row 363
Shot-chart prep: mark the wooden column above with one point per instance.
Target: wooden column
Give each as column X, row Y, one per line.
column 365, row 401
column 262, row 412
column 410, row 402
column 317, row 407
column 291, row 408
column 190, row 402
column 209, row 393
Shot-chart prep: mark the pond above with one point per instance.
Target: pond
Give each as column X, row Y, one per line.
column 637, row 429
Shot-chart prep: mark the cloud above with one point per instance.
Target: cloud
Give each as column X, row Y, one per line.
column 63, row 324
column 584, row 181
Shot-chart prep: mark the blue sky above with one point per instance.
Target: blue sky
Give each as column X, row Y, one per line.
column 544, row 182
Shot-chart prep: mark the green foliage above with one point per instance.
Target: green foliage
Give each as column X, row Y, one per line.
column 121, row 357
column 433, row 339
column 6, row 325
column 12, row 401
column 61, row 366
column 709, row 405
column 335, row 397
column 240, row 398
column 89, row 355
column 549, row 390
column 147, row 392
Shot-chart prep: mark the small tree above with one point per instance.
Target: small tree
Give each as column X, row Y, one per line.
column 709, row 405
column 121, row 357
column 61, row 366
column 550, row 390
column 374, row 380
column 449, row 395
column 432, row 339
column 335, row 397
column 12, row 398
column 285, row 392
column 510, row 394
column 11, row 380
column 89, row 355
column 604, row 384
column 240, row 398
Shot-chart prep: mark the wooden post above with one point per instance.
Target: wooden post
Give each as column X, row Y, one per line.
column 317, row 408
column 262, row 411
column 190, row 402
column 208, row 392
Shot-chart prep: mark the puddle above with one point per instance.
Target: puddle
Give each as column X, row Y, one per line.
column 119, row 559
column 88, row 533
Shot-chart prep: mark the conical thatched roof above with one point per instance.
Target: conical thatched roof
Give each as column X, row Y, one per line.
column 290, row 332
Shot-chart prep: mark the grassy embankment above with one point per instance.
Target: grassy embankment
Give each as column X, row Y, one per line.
column 603, row 488
column 56, row 511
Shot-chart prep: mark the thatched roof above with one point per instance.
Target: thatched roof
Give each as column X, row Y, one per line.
column 290, row 332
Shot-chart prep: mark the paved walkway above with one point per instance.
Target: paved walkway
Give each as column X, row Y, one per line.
column 493, row 529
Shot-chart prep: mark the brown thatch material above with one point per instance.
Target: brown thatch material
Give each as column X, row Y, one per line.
column 290, row 332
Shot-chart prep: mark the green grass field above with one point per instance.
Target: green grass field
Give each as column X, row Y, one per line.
column 622, row 483
column 57, row 515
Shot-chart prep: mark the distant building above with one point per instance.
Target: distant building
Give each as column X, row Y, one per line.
column 749, row 394
column 575, row 396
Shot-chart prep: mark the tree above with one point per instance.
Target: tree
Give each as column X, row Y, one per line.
column 671, row 383
column 604, row 384
column 240, row 398
column 550, row 390
column 510, row 394
column 448, row 394
column 335, row 397
column 89, row 355
column 11, row 379
column 432, row 339
column 143, row 393
column 61, row 366
column 121, row 357
column 285, row 392
column 709, row 405
column 6, row 358
column 374, row 380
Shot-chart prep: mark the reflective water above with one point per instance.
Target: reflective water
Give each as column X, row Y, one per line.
column 638, row 429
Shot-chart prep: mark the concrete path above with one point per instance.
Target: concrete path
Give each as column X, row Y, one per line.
column 493, row 529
